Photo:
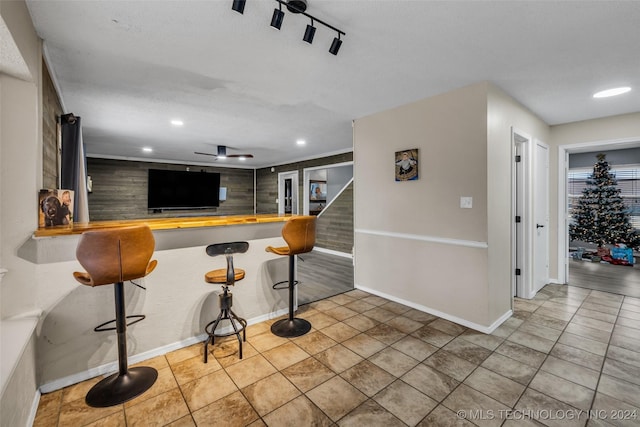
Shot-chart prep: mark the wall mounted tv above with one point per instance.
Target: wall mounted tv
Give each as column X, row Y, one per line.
column 170, row 189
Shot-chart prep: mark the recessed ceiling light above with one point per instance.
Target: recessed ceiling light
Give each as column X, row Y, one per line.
column 177, row 122
column 242, row 158
column 147, row 149
column 612, row 92
column 301, row 142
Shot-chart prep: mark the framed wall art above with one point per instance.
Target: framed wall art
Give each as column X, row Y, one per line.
column 55, row 207
column 318, row 191
column 406, row 164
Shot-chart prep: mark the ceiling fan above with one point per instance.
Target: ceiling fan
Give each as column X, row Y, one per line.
column 222, row 154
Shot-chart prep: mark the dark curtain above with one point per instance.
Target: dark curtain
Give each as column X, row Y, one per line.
column 73, row 173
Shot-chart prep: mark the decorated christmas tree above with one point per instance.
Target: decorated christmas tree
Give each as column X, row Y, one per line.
column 600, row 216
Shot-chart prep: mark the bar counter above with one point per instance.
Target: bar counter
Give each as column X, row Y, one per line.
column 161, row 223
column 176, row 300
column 58, row 243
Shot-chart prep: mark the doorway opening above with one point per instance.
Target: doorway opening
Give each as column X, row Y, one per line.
column 583, row 263
column 288, row 193
column 327, row 193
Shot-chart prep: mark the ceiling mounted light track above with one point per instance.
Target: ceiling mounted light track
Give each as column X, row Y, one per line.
column 298, row 7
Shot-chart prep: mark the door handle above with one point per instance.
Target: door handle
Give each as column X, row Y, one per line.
column 539, row 226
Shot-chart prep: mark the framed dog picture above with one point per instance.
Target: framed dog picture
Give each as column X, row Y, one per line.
column 55, row 207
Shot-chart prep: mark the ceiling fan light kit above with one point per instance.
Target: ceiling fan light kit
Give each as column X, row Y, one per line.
column 222, row 154
column 297, row 7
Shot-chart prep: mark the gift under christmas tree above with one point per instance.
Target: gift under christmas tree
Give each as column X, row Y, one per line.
column 601, row 216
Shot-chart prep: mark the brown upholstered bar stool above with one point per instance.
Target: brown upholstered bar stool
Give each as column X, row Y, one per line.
column 300, row 234
column 113, row 256
column 225, row 277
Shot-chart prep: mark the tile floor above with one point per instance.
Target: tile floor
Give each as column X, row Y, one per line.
column 372, row 362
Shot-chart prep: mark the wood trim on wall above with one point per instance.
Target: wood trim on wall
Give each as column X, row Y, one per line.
column 51, row 111
column 335, row 226
column 120, row 190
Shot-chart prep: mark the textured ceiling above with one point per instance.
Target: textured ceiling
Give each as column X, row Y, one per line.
column 11, row 62
column 128, row 67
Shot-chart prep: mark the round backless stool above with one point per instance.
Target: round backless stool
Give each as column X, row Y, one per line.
column 300, row 234
column 225, row 277
column 113, row 256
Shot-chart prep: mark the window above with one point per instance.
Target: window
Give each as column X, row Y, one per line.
column 628, row 177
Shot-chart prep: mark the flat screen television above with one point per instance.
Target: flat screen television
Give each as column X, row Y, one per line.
column 169, row 189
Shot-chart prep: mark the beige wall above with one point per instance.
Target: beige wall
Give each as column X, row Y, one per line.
column 607, row 130
column 504, row 114
column 406, row 231
column 20, row 177
column 21, row 162
column 450, row 132
column 413, row 241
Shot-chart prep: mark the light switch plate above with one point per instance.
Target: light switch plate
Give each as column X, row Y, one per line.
column 466, row 202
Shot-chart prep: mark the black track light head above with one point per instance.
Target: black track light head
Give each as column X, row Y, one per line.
column 238, row 5
column 335, row 45
column 309, row 33
column 276, row 19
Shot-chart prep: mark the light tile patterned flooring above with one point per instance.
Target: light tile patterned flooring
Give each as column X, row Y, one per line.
column 372, row 362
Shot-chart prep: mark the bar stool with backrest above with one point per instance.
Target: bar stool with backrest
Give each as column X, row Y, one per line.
column 113, row 256
column 226, row 277
column 300, row 234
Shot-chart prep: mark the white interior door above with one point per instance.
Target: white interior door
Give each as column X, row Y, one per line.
column 521, row 225
column 541, row 217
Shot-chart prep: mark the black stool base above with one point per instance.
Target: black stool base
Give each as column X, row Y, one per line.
column 288, row 328
column 117, row 389
column 210, row 329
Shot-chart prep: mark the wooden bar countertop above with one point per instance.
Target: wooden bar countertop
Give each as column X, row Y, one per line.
column 161, row 223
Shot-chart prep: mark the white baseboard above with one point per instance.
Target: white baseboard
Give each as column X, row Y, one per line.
column 136, row 358
column 34, row 408
column 332, row 252
column 458, row 320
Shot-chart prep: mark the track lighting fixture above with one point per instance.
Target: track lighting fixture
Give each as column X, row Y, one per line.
column 335, row 45
column 309, row 33
column 297, row 7
column 276, row 19
column 238, row 5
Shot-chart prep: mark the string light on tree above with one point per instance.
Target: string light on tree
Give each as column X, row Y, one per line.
column 600, row 216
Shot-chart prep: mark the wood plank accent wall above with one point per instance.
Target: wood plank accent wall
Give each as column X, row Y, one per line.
column 120, row 190
column 267, row 181
column 334, row 228
column 51, row 110
column 337, row 225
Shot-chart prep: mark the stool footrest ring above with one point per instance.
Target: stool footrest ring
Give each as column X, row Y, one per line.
column 278, row 286
column 243, row 324
column 238, row 324
column 101, row 327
